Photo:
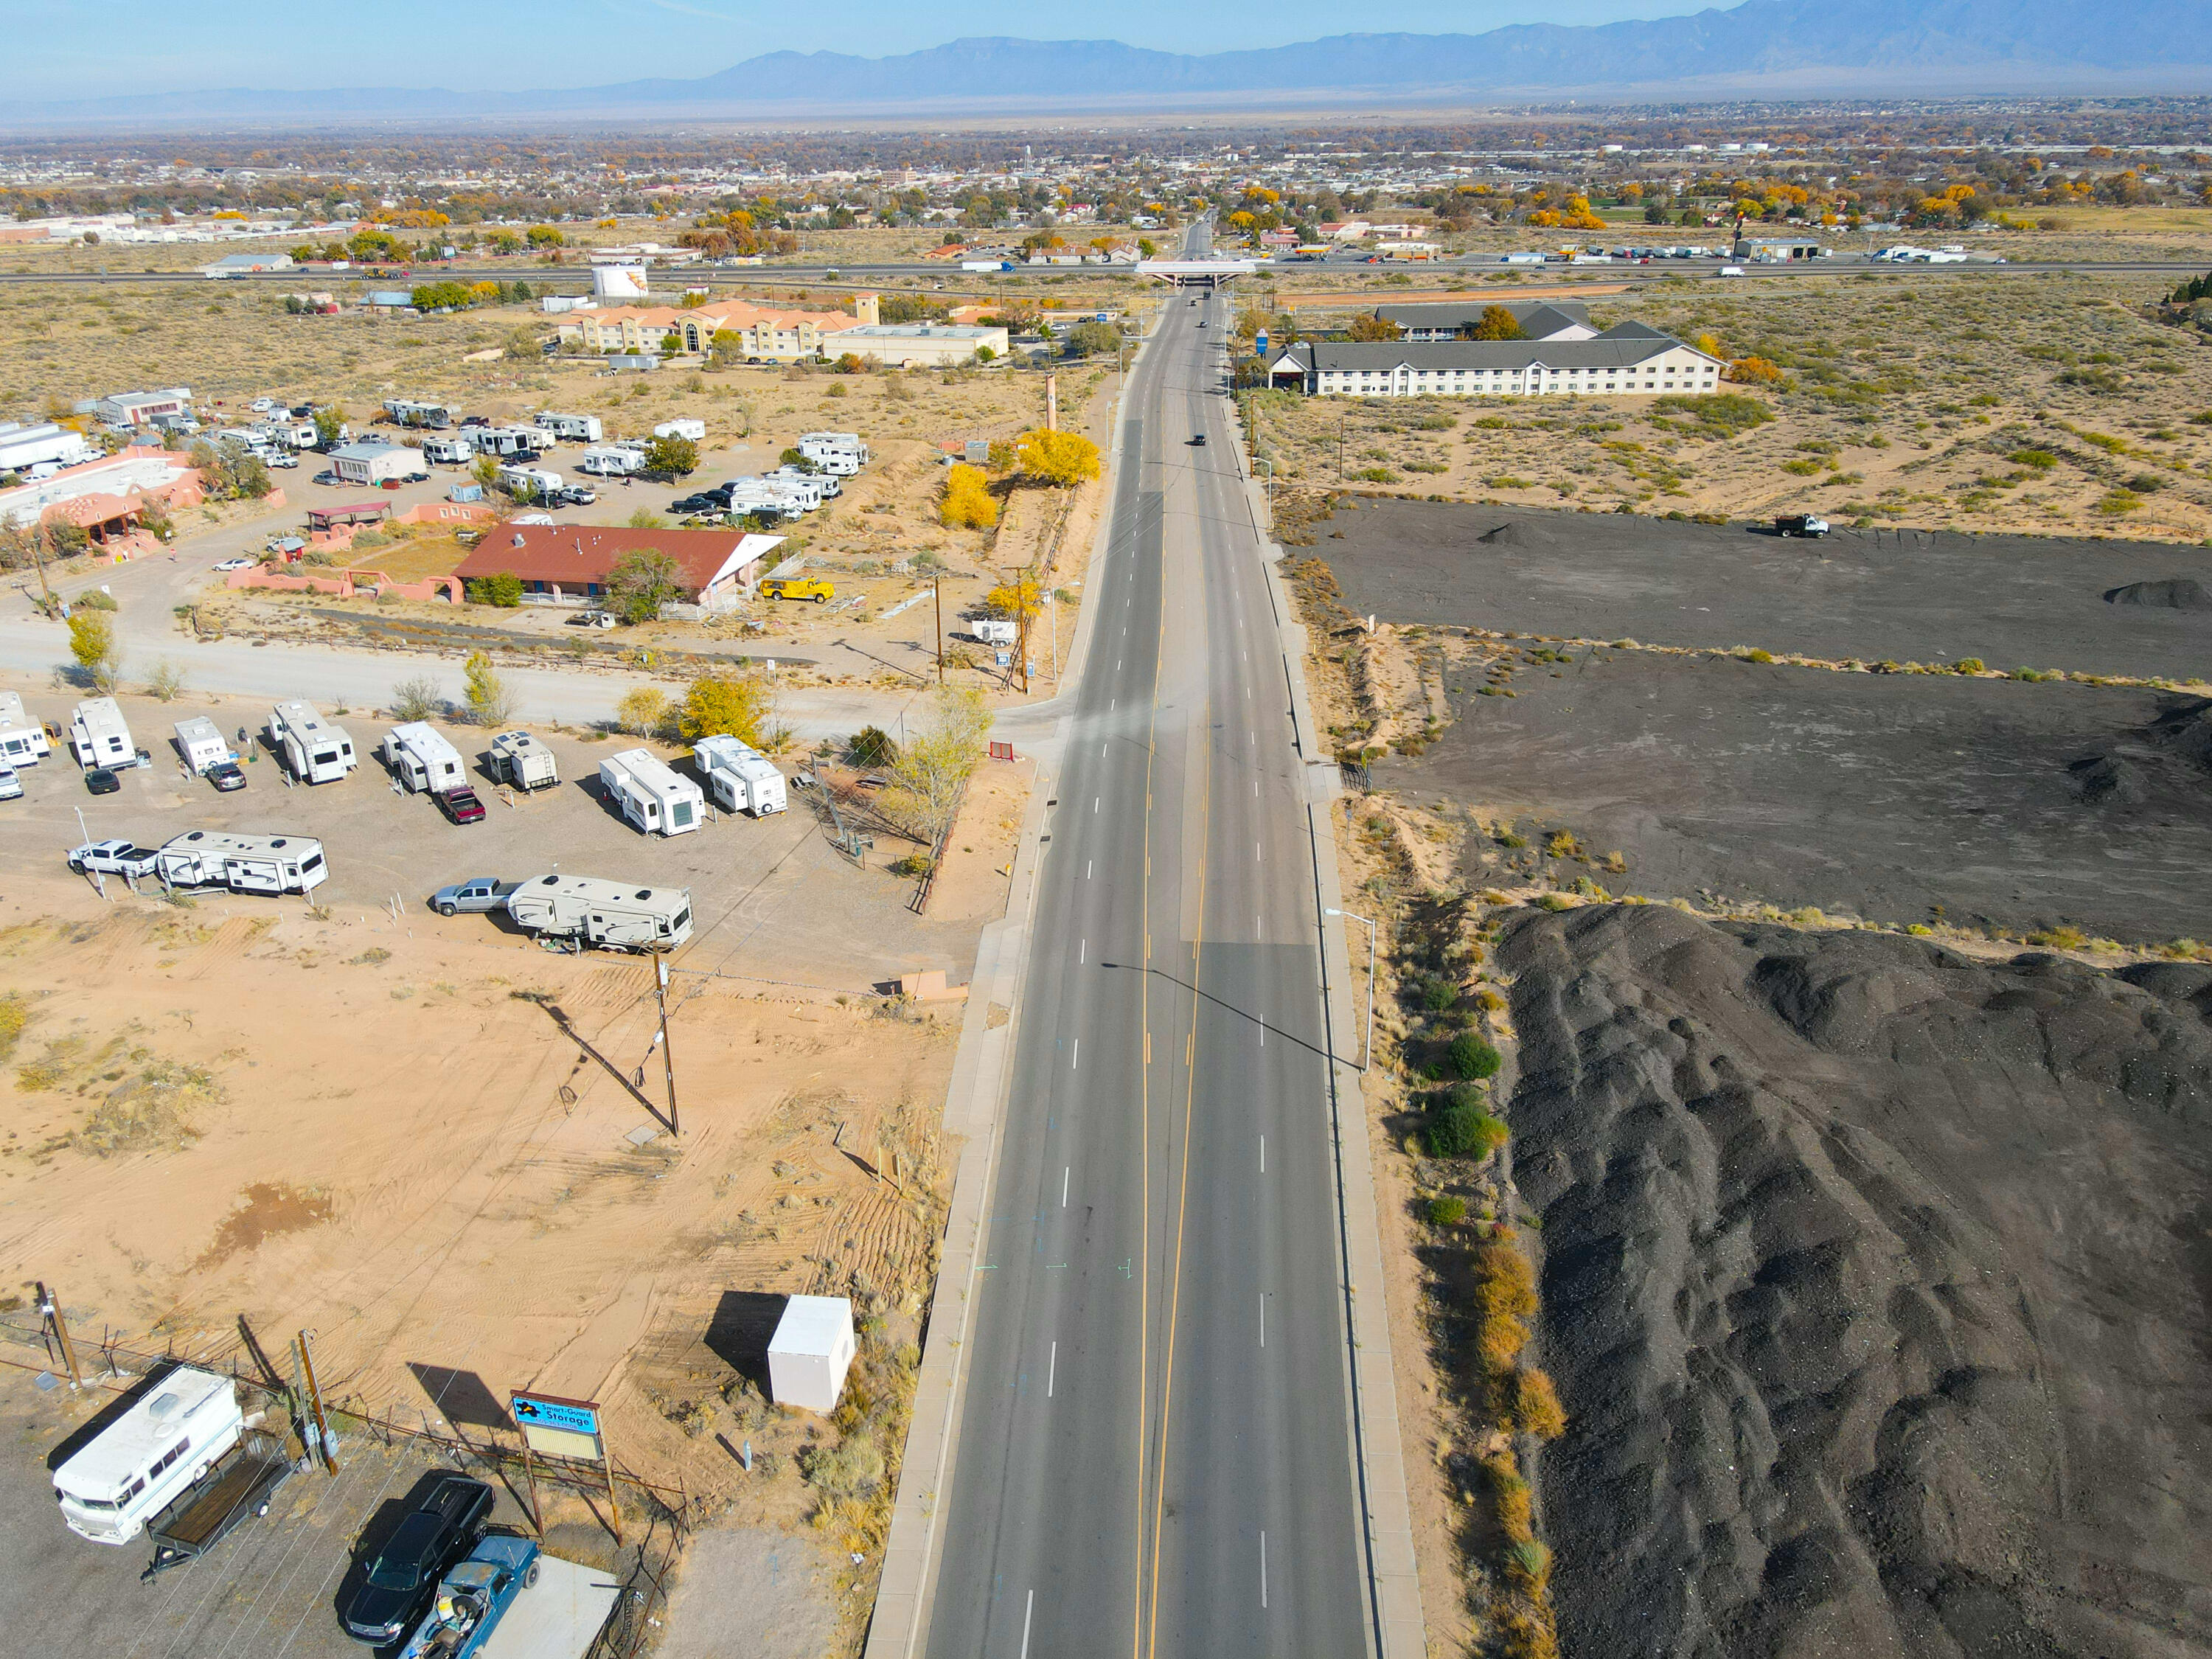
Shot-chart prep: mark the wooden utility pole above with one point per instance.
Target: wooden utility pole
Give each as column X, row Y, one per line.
column 316, row 1420
column 530, row 1474
column 50, row 1311
column 614, row 1508
column 667, row 1057
column 937, row 595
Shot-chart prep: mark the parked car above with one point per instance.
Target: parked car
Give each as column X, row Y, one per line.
column 701, row 503
column 326, row 478
column 403, row 1575
column 240, row 563
column 1801, row 524
column 283, row 460
column 227, row 775
column 571, row 495
column 113, row 858
column 462, row 806
column 101, row 782
column 11, row 786
column 474, row 1597
column 478, row 894
column 592, row 619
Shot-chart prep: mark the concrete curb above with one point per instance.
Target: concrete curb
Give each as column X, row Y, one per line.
column 974, row 1106
column 1401, row 1626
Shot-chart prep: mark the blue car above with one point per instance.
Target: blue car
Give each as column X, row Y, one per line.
column 473, row 1597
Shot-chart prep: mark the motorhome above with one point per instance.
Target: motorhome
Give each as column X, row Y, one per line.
column 244, row 864
column 815, row 445
column 682, row 426
column 315, row 750
column 456, row 450
column 519, row 759
column 201, row 743
column 436, row 416
column 421, row 759
column 98, row 735
column 607, row 914
column 572, row 428
column 23, row 741
column 649, row 793
column 533, row 482
column 111, row 1486
column 741, row 778
column 612, row 462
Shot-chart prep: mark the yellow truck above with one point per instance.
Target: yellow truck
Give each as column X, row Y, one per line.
column 816, row 588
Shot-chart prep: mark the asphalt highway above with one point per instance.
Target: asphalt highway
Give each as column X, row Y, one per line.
column 1154, row 1452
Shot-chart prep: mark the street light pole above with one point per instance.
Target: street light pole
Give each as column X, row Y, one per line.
column 1367, row 1045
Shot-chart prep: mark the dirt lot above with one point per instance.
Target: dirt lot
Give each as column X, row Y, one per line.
column 1876, row 1282
column 2042, row 404
column 1867, row 595
column 182, row 1137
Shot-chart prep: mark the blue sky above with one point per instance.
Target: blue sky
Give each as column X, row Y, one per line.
column 82, row 48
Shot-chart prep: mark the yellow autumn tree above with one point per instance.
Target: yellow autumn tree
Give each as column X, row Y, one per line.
column 967, row 504
column 1065, row 458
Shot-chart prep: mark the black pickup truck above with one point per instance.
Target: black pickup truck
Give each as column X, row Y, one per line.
column 404, row 1573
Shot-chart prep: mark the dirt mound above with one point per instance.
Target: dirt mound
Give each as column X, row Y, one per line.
column 2180, row 594
column 1876, row 1289
column 2169, row 756
column 1515, row 534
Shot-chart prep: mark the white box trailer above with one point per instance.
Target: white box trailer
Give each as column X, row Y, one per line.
column 741, row 778
column 572, row 428
column 23, row 741
column 201, row 743
column 421, row 759
column 612, row 461
column 99, row 735
column 244, row 864
column 810, row 1352
column 315, row 750
column 649, row 792
column 682, row 426
column 519, row 758
column 603, row 912
column 111, row 1486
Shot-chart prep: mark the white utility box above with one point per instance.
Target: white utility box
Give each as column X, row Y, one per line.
column 810, row 1352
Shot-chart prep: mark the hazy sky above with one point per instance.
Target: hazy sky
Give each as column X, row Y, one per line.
column 83, row 48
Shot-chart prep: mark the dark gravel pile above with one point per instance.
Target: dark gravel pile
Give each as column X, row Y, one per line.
column 1876, row 1286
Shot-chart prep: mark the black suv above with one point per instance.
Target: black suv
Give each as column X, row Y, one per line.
column 403, row 1574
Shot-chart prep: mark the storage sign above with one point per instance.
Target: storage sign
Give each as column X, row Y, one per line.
column 538, row 1411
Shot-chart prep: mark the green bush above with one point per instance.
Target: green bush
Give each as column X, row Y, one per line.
column 1438, row 996
column 872, row 746
column 503, row 589
column 1968, row 665
column 1459, row 1126
column 1467, row 1055
column 1445, row 1211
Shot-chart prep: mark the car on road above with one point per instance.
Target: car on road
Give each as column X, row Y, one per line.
column 478, row 894
column 227, row 775
column 461, row 805
column 402, row 1576
column 240, row 563
column 1197, row 440
column 1731, row 270
column 101, row 782
column 113, row 858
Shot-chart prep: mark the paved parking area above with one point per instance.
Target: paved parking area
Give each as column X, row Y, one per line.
column 268, row 1591
column 773, row 899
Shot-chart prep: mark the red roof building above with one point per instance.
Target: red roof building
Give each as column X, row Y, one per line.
column 572, row 561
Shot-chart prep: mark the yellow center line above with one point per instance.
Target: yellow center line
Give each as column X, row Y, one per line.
column 1145, row 1086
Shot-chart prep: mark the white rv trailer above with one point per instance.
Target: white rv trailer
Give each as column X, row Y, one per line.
column 611, row 461
column 650, row 795
column 23, row 741
column 316, row 750
column 572, row 428
column 743, row 779
column 455, row 451
column 682, row 426
column 201, row 743
column 536, row 481
column 244, row 864
column 135, row 1467
column 519, row 759
column 823, row 485
column 421, row 760
column 98, row 735
column 603, row 912
column 848, row 442
column 509, row 440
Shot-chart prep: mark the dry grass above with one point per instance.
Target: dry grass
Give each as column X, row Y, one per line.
column 2037, row 404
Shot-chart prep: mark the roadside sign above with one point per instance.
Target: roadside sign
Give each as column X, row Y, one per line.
column 1006, row 658
column 556, row 1426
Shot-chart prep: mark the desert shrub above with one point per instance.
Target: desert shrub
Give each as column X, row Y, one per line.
column 1515, row 1503
column 872, row 746
column 502, row 590
column 644, row 712
column 1504, row 1282
column 1967, row 665
column 2036, row 460
column 1528, row 1566
column 13, row 1017
column 2116, row 502
column 93, row 599
column 1375, row 475
column 1758, row 656
column 417, row 699
column 1445, row 1211
column 1801, row 469
column 1469, row 1056
column 851, row 1468
column 1458, row 1126
column 1536, row 1409
column 914, row 864
column 150, row 1110
column 1438, row 996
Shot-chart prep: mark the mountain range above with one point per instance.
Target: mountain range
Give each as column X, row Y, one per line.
column 1761, row 47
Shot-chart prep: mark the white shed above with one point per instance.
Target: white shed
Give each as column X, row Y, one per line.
column 810, row 1352
column 202, row 744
